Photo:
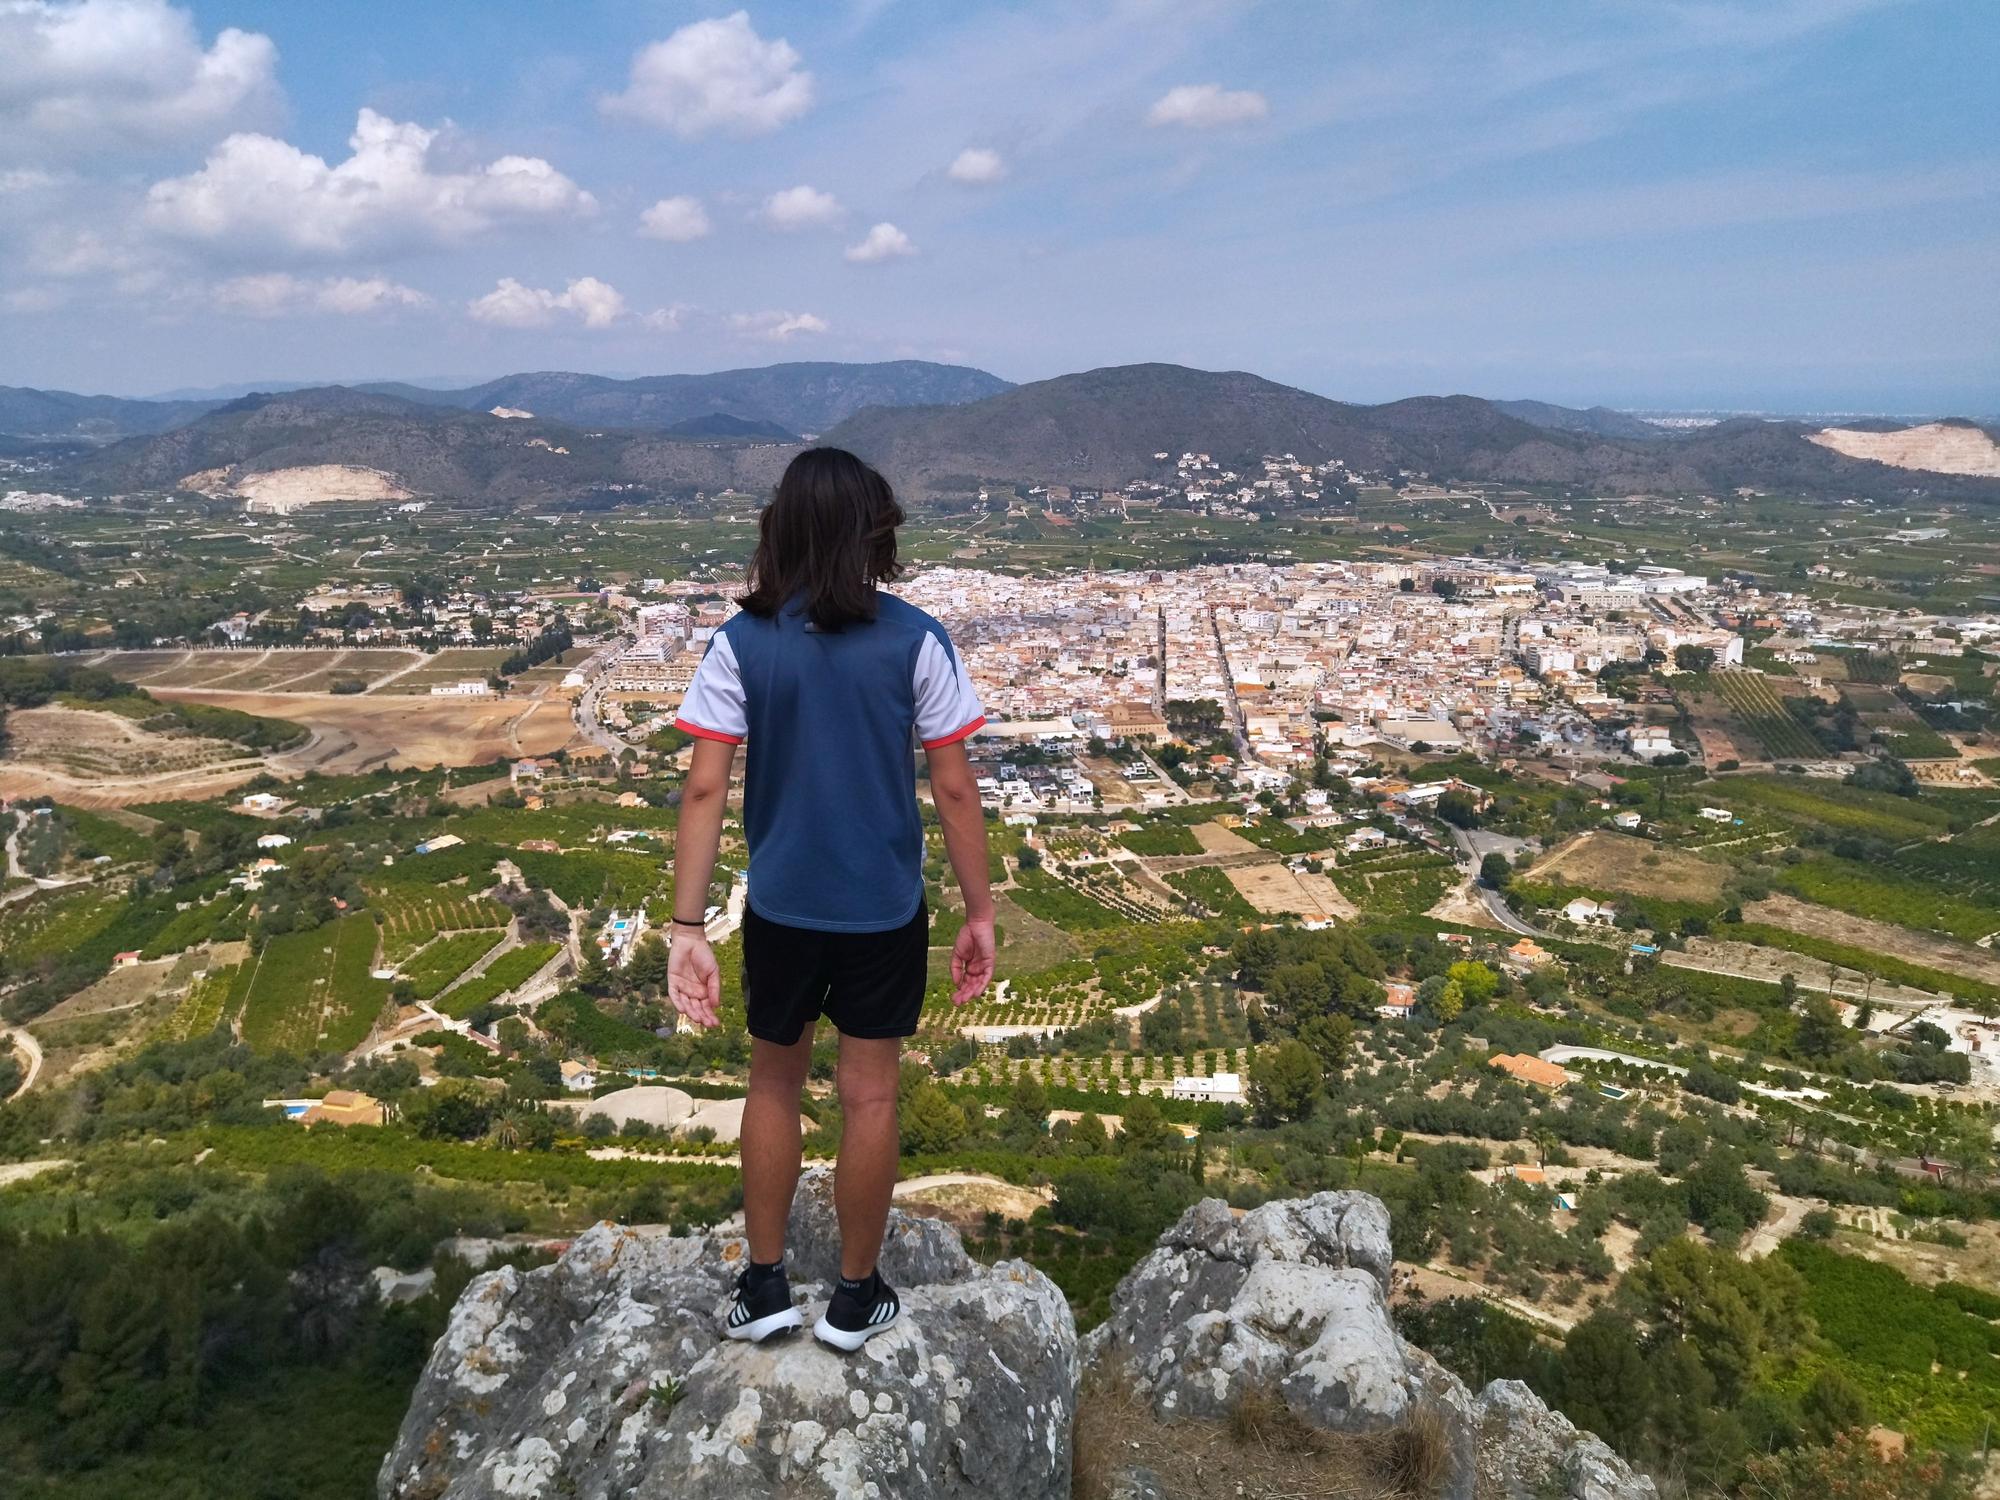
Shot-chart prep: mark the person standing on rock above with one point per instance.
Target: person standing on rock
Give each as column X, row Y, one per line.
column 827, row 680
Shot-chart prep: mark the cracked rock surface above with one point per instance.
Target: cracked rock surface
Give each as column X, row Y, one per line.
column 1292, row 1298
column 605, row 1375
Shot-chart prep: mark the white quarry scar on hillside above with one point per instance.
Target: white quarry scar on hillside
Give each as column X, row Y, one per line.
column 1936, row 447
column 284, row 490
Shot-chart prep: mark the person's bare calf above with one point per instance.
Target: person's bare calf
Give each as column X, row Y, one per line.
column 865, row 1176
column 771, row 1145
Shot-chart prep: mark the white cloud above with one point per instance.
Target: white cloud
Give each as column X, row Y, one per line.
column 977, row 166
column 260, row 192
column 278, row 294
column 87, row 74
column 801, row 207
column 34, row 299
column 777, row 327
column 883, row 242
column 1205, row 106
column 73, row 253
column 511, row 305
column 666, row 319
column 676, row 220
column 715, row 75
column 25, row 180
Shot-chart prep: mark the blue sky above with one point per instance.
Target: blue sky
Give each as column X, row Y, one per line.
column 1773, row 204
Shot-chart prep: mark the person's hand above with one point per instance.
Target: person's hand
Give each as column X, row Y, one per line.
column 972, row 960
column 694, row 983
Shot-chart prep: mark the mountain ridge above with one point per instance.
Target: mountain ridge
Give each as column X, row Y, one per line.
column 800, row 396
column 1102, row 427
column 1098, row 427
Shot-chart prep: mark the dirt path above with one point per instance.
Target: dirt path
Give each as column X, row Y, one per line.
column 1767, row 1236
column 416, row 664
column 284, row 682
column 250, row 666
column 1437, row 1282
column 32, row 1049
column 21, row 1171
column 1462, row 905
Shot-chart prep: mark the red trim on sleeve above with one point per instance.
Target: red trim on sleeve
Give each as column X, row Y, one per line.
column 957, row 734
column 707, row 734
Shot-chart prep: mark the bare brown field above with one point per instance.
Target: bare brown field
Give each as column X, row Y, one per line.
column 82, row 743
column 1275, row 891
column 1915, row 947
column 356, row 732
column 1215, row 839
column 138, row 666
column 1620, row 862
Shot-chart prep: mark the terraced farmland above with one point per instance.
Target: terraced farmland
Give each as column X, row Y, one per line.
column 445, row 959
column 411, row 918
column 202, row 1008
column 512, row 968
column 312, row 990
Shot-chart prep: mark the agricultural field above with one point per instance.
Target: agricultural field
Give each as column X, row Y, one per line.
column 224, row 913
column 203, row 1007
column 55, row 923
column 1837, row 808
column 587, row 878
column 312, row 991
column 1621, row 862
column 1928, row 1365
column 413, row 915
column 82, row 746
column 1214, row 891
column 1160, row 839
column 1887, row 895
column 1042, row 895
column 1396, row 883
column 513, row 968
column 444, row 959
column 1755, row 712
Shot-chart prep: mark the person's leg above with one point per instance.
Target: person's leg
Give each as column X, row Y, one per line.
column 770, row 1144
column 865, row 1176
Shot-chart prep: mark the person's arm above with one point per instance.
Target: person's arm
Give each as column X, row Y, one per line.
column 956, row 795
column 694, row 983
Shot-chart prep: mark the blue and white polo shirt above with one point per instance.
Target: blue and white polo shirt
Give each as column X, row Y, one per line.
column 829, row 796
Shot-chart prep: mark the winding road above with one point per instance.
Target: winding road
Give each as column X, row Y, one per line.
column 32, row 1049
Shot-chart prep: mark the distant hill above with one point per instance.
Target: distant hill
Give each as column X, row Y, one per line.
column 721, row 425
column 1595, row 421
column 1104, row 426
column 1101, row 427
column 779, row 400
column 64, row 416
column 805, row 397
column 428, row 449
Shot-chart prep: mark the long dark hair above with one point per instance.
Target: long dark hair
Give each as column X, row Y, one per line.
column 825, row 541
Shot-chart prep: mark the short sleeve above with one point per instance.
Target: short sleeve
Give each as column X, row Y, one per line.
column 713, row 708
column 947, row 707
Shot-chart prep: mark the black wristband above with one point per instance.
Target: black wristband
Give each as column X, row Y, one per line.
column 684, row 922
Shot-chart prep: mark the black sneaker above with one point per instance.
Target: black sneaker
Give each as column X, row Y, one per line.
column 852, row 1318
column 756, row 1312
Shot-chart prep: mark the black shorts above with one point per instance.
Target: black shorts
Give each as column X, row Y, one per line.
column 869, row 984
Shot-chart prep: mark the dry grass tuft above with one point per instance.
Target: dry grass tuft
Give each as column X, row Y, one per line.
column 1262, row 1451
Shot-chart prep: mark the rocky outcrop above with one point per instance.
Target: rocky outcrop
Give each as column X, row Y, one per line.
column 604, row 1375
column 1292, row 1298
